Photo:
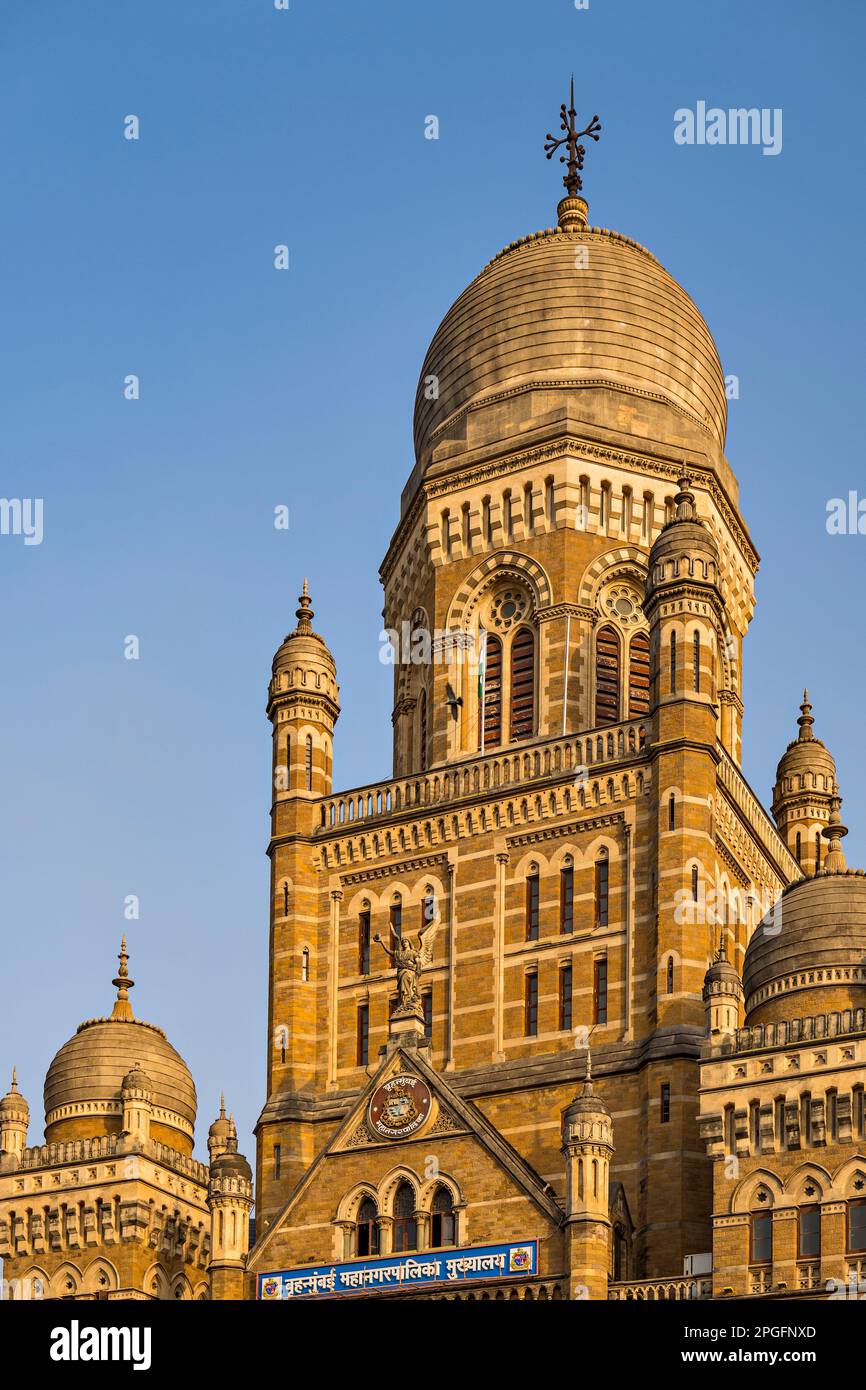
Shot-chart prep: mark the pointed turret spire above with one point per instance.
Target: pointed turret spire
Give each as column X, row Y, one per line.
column 685, row 502
column 304, row 613
column 123, row 984
column 805, row 721
column 834, row 860
column 14, row 1086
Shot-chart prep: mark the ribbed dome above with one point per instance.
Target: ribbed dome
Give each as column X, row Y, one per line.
column 815, row 941
column 85, row 1080
column 93, row 1065
column 536, row 316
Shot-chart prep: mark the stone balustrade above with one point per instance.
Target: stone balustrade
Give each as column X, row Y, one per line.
column 686, row 1287
column 553, row 757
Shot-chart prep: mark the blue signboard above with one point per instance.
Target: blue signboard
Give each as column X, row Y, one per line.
column 406, row 1272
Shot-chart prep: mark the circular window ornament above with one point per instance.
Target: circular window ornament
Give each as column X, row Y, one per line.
column 399, row 1107
column 508, row 608
column 622, row 603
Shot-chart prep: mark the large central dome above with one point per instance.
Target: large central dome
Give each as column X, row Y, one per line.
column 576, row 307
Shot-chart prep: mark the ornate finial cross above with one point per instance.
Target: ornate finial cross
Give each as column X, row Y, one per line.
column 574, row 159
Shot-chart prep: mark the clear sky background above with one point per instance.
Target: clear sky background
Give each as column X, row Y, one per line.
column 261, row 388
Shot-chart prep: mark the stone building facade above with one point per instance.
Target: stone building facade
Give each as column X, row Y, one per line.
column 626, row 1023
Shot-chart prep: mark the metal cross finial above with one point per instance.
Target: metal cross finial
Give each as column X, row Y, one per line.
column 574, row 158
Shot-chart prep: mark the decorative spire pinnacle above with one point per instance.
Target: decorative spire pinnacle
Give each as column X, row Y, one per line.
column 222, row 1105
column 14, row 1086
column 805, row 721
column 721, row 953
column 576, row 152
column 123, row 984
column 834, row 859
column 685, row 502
column 304, row 613
column 587, row 1080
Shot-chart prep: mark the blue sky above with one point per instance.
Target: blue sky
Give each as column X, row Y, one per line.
column 261, row 388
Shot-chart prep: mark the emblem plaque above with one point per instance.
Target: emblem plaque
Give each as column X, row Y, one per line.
column 399, row 1107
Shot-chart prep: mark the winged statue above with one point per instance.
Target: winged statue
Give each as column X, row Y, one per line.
column 410, row 960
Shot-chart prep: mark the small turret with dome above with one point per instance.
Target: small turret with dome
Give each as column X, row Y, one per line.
column 230, row 1199
column 722, row 995
column 303, row 707
column 14, row 1119
column 804, row 791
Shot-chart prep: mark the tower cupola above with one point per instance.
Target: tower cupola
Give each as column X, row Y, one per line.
column 804, row 792
column 303, row 707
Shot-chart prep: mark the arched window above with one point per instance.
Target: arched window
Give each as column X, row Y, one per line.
column 527, row 508
column 285, row 900
column 428, row 906
column 607, row 676
column 487, row 521
column 602, row 884
column 799, row 846
column 364, row 940
column 549, row 503
column 694, row 882
column 670, row 975
column 696, row 661
column 446, row 534
column 397, row 915
column 522, row 684
column 639, row 676
column 405, row 1224
column 443, row 1222
column 305, row 964
column 817, row 851
column 308, row 761
column 367, row 1228
column 490, row 693
column 467, row 531
column 422, row 730
column 672, row 811
column 673, row 662
column 507, row 520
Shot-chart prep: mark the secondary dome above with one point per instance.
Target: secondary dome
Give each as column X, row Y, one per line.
column 572, row 306
column 84, row 1082
column 813, row 946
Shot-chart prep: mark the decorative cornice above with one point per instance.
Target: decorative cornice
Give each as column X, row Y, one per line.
column 400, row 866
column 575, row 827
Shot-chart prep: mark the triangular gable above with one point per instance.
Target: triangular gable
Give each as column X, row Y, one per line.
column 454, row 1116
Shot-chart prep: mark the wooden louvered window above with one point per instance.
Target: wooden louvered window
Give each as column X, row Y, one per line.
column 522, row 684
column 490, row 714
column 607, row 676
column 638, row 676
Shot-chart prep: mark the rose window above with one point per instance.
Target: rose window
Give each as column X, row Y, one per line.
column 508, row 608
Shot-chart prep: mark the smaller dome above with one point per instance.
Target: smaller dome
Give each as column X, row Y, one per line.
column 221, row 1133
column 721, row 978
column 303, row 664
column 13, row 1106
column 587, row 1102
column 231, row 1164
column 804, row 755
column 811, row 949
column 684, row 550
column 137, row 1080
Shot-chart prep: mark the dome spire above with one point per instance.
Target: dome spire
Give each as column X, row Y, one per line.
column 304, row 613
column 123, row 984
column 572, row 209
column 805, row 721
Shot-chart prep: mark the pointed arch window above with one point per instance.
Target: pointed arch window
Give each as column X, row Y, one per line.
column 305, row 964
column 367, row 1228
column 443, row 1222
column 490, row 694
column 607, row 661
column 639, row 676
column 405, row 1223
column 670, row 975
